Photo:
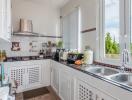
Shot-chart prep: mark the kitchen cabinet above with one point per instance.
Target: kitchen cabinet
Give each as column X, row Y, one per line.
column 26, row 76
column 5, row 19
column 29, row 74
column 76, row 85
column 18, row 73
column 84, row 91
column 61, row 81
column 65, row 81
column 33, row 75
column 55, row 76
column 46, row 72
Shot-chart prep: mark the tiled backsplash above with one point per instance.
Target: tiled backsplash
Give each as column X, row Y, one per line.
column 24, row 45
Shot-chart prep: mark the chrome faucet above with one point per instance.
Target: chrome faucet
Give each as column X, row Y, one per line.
column 125, row 59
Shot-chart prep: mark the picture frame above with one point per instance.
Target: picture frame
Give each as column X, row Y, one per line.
column 15, row 46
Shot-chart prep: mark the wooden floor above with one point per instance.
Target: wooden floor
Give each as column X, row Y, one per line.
column 50, row 96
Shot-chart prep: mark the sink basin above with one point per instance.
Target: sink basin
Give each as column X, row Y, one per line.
column 124, row 78
column 93, row 69
column 111, row 74
column 102, row 71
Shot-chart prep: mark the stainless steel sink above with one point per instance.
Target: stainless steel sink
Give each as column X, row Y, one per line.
column 93, row 69
column 122, row 77
column 103, row 71
column 125, row 78
column 112, row 74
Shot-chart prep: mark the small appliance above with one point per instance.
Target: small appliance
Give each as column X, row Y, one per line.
column 56, row 56
column 64, row 56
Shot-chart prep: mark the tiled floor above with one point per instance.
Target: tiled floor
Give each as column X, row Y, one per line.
column 50, row 96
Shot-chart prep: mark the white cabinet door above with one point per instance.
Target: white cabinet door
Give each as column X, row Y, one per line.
column 5, row 19
column 46, row 72
column 33, row 76
column 27, row 74
column 18, row 73
column 65, row 85
column 84, row 91
column 55, row 76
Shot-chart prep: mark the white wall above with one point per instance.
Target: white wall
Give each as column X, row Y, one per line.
column 46, row 20
column 88, row 19
column 45, row 17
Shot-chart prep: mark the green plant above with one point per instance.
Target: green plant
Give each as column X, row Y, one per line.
column 60, row 44
column 111, row 46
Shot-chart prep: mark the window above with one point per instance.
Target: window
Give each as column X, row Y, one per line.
column 114, row 30
column 111, row 28
column 109, row 31
column 130, row 27
column 71, row 30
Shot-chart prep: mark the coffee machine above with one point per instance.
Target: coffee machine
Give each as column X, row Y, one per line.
column 58, row 54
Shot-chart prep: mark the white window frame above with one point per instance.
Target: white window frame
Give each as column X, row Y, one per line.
column 128, row 24
column 100, row 37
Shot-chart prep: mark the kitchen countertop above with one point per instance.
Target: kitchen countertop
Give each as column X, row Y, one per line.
column 80, row 68
column 25, row 58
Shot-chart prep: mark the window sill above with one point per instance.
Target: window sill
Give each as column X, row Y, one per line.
column 114, row 62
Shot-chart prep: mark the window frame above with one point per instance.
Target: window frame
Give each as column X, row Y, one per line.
column 128, row 32
column 100, row 37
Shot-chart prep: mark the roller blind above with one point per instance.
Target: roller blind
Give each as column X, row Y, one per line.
column 71, row 30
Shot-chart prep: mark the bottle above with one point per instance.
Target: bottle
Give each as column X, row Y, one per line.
column 88, row 56
column 3, row 55
column 0, row 55
column 41, row 54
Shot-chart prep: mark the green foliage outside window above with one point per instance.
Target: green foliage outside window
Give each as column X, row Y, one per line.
column 131, row 48
column 111, row 46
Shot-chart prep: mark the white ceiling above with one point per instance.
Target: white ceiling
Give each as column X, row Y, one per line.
column 60, row 3
column 56, row 3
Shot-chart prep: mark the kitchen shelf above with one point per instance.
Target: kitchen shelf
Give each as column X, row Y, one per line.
column 33, row 35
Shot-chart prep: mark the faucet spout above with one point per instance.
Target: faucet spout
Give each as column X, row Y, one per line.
column 125, row 59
